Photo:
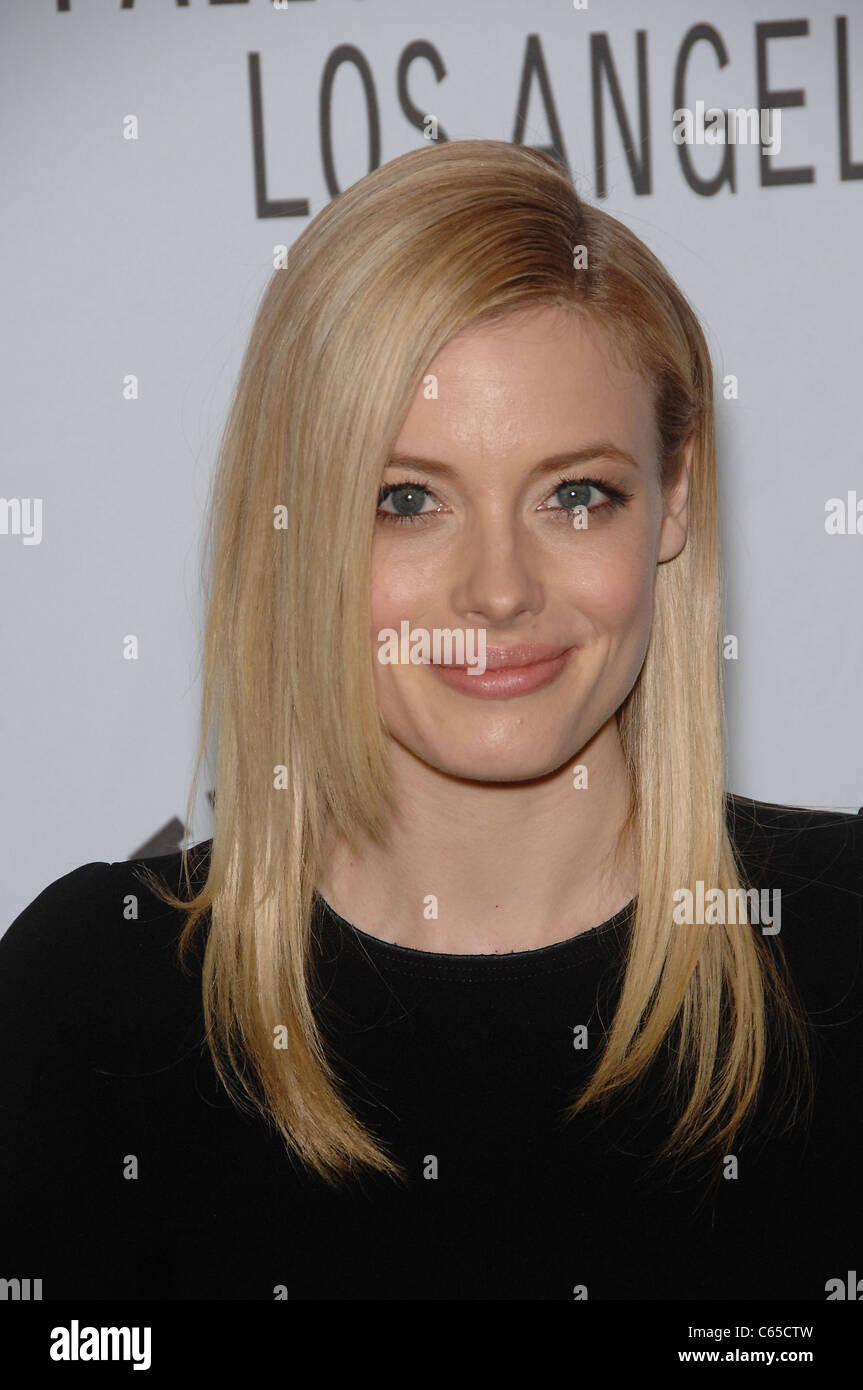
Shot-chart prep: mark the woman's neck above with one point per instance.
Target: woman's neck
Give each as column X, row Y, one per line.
column 490, row 867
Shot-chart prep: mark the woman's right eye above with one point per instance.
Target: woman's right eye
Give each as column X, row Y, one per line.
column 407, row 502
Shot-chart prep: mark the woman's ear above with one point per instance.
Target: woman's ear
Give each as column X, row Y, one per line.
column 675, row 523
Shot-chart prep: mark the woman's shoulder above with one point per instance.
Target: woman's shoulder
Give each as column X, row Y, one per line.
column 777, row 814
column 807, row 865
column 100, row 907
column 800, row 840
column 91, row 963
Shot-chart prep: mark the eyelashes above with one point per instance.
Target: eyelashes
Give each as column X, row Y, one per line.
column 616, row 497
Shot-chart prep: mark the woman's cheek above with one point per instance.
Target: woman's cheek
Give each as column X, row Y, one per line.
column 404, row 584
column 612, row 585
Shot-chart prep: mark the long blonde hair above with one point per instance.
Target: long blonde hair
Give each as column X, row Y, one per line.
column 430, row 243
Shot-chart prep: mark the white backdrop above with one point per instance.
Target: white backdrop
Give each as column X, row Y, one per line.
column 147, row 257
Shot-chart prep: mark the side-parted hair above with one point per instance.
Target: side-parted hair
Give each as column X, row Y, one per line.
column 437, row 240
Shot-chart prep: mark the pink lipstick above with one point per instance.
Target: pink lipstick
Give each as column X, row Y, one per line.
column 510, row 671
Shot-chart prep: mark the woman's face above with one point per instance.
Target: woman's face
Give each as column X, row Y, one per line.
column 533, row 418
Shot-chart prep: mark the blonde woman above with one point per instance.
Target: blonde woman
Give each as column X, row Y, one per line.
column 483, row 987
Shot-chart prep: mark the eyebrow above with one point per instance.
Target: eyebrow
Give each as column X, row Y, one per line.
column 569, row 458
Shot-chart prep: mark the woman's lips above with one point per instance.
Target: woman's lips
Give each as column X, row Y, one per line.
column 510, row 671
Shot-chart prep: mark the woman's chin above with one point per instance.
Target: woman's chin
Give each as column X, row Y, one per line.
column 475, row 763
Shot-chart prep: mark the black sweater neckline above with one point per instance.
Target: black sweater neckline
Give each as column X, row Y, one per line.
column 558, row 955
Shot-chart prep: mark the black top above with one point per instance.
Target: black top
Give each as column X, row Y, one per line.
column 126, row 1172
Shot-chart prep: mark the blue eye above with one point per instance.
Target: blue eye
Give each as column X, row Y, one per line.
column 575, row 492
column 407, row 499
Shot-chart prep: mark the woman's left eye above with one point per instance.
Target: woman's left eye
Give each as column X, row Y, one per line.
column 576, row 492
